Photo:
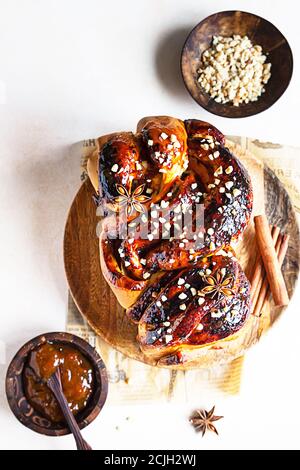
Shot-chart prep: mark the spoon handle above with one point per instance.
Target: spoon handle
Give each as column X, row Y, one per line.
column 54, row 383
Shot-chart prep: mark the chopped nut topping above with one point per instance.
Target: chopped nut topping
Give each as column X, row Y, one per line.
column 164, row 204
column 182, row 296
column 219, row 171
column 229, row 184
column 216, row 314
column 236, row 192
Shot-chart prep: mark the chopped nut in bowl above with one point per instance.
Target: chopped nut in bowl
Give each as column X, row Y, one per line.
column 233, row 70
column 236, row 64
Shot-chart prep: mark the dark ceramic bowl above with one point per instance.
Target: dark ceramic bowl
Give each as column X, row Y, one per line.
column 259, row 31
column 22, row 409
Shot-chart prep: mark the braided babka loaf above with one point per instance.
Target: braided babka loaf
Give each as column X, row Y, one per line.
column 178, row 279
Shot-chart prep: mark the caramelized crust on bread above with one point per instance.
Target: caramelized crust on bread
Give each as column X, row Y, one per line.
column 197, row 306
column 169, row 163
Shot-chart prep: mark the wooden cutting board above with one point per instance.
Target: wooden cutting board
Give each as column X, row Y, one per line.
column 98, row 305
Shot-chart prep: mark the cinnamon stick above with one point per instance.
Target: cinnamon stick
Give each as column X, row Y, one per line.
column 265, row 289
column 257, row 305
column 270, row 261
column 281, row 249
column 259, row 271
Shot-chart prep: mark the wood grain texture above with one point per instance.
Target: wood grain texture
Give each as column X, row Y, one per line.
column 259, row 31
column 99, row 306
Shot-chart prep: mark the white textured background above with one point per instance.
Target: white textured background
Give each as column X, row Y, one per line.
column 74, row 69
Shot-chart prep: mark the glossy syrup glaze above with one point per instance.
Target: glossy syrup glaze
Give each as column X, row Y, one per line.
column 168, row 168
column 198, row 306
column 76, row 377
column 214, row 178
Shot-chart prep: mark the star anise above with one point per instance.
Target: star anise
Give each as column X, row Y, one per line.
column 133, row 201
column 202, row 420
column 217, row 285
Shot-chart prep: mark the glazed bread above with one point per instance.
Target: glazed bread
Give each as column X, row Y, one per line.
column 190, row 308
column 166, row 165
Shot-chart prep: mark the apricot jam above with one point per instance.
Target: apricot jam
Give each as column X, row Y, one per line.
column 76, row 378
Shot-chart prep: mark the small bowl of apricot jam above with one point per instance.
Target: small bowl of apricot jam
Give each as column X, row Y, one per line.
column 83, row 378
